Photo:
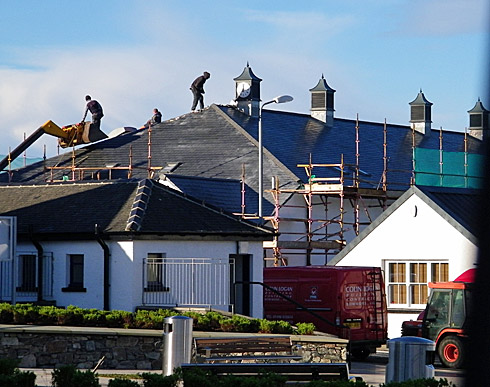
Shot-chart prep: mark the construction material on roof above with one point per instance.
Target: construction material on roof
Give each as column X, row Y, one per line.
column 433, row 167
column 71, row 135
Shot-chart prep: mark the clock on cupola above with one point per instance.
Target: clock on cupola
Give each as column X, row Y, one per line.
column 247, row 92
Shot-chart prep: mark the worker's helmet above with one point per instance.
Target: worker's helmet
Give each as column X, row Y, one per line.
column 206, row 75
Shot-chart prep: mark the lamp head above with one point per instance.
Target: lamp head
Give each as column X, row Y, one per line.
column 283, row 99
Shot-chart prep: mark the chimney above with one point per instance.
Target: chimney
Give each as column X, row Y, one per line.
column 478, row 121
column 247, row 92
column 420, row 114
column 322, row 102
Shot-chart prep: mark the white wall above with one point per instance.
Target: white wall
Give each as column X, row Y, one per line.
column 413, row 232
column 126, row 268
column 93, row 272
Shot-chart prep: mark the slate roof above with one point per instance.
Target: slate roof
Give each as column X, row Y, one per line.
column 458, row 206
column 218, row 142
column 118, row 208
column 459, row 203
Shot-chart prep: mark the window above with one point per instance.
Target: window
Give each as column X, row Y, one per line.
column 407, row 282
column 75, row 273
column 27, row 273
column 155, row 273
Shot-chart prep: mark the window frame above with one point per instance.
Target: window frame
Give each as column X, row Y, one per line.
column 74, row 271
column 27, row 281
column 412, row 279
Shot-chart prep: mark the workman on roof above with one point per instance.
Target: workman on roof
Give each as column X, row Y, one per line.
column 197, row 89
column 96, row 110
column 155, row 119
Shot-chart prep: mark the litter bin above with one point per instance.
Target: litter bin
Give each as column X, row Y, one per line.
column 177, row 342
column 410, row 358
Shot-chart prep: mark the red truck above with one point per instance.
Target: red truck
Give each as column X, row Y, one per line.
column 444, row 319
column 348, row 302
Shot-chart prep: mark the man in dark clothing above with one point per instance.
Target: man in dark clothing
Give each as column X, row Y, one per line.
column 197, row 89
column 95, row 109
column 155, row 119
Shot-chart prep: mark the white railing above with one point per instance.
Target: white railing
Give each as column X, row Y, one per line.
column 188, row 282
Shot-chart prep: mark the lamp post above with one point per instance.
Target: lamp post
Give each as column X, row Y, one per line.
column 279, row 99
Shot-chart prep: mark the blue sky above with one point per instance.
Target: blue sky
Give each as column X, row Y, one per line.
column 133, row 56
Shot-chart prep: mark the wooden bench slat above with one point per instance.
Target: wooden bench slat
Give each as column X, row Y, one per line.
column 271, row 348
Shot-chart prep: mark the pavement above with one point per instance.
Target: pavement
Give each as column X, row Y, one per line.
column 372, row 371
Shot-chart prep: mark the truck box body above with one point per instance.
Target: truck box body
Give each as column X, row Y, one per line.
column 350, row 296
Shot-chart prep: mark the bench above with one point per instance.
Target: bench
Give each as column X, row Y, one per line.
column 248, row 348
column 297, row 372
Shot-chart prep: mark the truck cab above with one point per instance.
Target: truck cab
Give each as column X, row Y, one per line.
column 444, row 320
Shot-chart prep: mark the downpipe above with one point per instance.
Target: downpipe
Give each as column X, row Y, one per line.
column 107, row 256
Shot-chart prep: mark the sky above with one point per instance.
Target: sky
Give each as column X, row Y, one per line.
column 134, row 55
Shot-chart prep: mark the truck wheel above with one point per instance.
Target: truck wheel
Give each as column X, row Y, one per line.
column 361, row 353
column 451, row 352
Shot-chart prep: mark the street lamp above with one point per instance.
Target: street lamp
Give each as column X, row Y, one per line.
column 279, row 99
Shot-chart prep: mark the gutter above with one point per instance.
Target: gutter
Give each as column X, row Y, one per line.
column 107, row 255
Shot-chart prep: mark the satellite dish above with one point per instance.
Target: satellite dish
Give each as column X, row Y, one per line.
column 119, row 131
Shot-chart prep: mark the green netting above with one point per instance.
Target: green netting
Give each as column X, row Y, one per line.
column 447, row 169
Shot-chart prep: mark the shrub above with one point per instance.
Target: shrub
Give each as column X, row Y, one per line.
column 72, row 315
column 119, row 318
column 122, row 383
column 69, row 376
column 200, row 378
column 157, row 380
column 267, row 326
column 26, row 314
column 8, row 366
column 305, row 328
column 6, row 313
column 11, row 376
column 48, row 315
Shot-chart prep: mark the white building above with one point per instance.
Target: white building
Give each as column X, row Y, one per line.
column 427, row 235
column 128, row 245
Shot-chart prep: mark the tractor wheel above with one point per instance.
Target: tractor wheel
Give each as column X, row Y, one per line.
column 361, row 353
column 451, row 351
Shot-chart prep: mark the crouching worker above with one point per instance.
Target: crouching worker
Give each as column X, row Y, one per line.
column 155, row 119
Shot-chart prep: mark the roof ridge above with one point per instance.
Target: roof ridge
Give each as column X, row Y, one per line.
column 140, row 204
column 269, row 154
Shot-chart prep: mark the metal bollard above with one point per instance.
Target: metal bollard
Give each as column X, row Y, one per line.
column 177, row 342
column 410, row 358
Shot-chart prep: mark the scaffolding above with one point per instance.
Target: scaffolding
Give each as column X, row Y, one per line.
column 74, row 172
column 326, row 235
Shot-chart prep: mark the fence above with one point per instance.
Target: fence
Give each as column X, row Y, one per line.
column 189, row 282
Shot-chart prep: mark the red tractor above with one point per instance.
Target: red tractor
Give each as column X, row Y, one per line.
column 444, row 319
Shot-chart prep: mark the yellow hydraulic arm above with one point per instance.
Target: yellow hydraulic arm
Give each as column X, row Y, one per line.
column 71, row 135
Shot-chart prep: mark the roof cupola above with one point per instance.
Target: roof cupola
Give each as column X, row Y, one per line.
column 420, row 114
column 247, row 92
column 478, row 120
column 322, row 102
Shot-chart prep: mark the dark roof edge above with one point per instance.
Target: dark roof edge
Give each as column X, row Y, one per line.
column 445, row 215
